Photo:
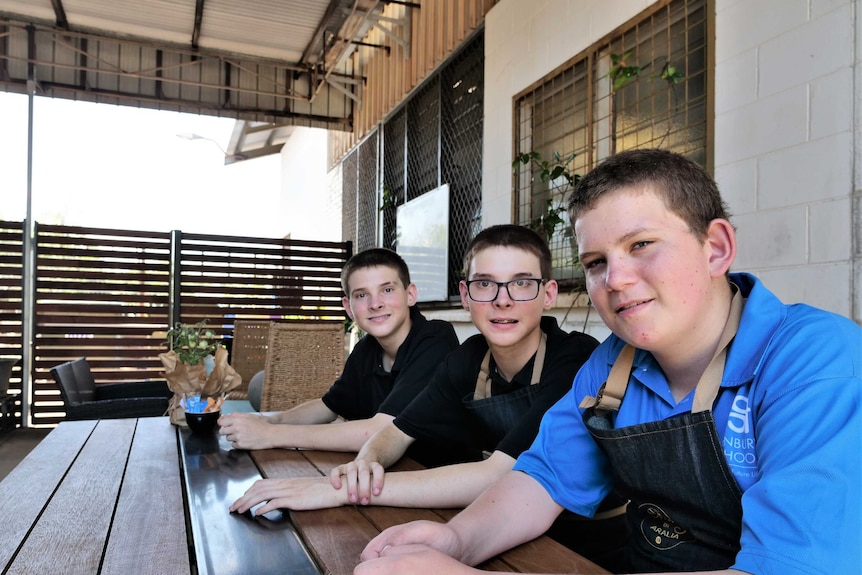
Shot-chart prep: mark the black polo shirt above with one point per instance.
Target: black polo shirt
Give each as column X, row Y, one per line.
column 439, row 413
column 365, row 388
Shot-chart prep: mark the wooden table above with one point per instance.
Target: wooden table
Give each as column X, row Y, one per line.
column 139, row 496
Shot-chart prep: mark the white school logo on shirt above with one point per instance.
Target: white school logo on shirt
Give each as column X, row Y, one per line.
column 739, row 444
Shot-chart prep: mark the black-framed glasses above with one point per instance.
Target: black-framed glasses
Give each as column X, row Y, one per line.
column 521, row 289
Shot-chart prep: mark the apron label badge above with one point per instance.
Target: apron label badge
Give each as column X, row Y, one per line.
column 659, row 530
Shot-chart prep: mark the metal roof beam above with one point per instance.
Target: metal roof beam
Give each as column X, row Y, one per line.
column 60, row 14
column 199, row 17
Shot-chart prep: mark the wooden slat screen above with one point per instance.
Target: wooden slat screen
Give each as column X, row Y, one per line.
column 105, row 294
column 11, row 302
column 101, row 294
column 229, row 278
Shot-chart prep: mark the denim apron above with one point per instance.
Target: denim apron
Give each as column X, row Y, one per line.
column 600, row 538
column 500, row 413
column 685, row 507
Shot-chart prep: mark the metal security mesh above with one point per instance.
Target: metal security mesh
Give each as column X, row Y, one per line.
column 423, row 144
column 434, row 139
column 394, row 183
column 579, row 111
column 366, row 206
column 461, row 95
column 349, row 195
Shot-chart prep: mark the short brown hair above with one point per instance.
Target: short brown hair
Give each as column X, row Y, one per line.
column 686, row 188
column 511, row 236
column 375, row 257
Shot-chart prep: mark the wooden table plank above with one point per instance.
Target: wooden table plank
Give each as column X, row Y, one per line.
column 283, row 463
column 25, row 492
column 229, row 543
column 334, row 537
column 148, row 534
column 70, row 535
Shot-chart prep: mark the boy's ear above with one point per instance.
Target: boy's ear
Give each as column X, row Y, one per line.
column 412, row 294
column 346, row 304
column 721, row 242
column 465, row 301
column 551, row 291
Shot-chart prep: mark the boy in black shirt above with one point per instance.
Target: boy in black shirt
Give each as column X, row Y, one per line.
column 489, row 394
column 386, row 370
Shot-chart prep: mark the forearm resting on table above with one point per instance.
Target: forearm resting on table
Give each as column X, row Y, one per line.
column 513, row 510
column 386, row 446
column 308, row 413
column 449, row 486
column 347, row 436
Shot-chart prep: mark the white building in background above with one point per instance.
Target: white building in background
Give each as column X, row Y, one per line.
column 787, row 151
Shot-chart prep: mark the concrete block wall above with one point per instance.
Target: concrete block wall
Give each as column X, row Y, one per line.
column 785, row 144
column 786, row 140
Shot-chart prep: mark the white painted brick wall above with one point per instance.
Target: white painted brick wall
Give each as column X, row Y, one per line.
column 786, row 142
column 795, row 225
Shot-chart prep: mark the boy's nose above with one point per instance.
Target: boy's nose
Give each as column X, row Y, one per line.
column 503, row 298
column 618, row 274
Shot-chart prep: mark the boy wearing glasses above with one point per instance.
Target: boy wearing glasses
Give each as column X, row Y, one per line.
column 489, row 394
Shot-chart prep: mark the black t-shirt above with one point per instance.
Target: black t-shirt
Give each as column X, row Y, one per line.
column 439, row 413
column 365, row 388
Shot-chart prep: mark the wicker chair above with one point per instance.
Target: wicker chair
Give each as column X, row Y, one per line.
column 86, row 400
column 248, row 352
column 302, row 362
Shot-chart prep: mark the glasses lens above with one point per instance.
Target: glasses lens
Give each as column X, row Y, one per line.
column 482, row 290
column 524, row 289
column 519, row 290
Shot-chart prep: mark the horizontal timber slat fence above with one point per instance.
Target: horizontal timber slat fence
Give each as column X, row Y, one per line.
column 110, row 296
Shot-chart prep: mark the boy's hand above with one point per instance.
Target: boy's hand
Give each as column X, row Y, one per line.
column 413, row 559
column 405, row 548
column 299, row 493
column 364, row 480
column 247, row 430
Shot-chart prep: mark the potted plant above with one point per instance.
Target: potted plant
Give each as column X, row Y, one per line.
column 196, row 369
column 193, row 343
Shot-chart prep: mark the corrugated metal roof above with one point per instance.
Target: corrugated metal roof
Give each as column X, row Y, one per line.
column 280, row 29
column 260, row 61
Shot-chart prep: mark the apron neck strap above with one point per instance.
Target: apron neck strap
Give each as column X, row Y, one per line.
column 483, row 380
column 610, row 394
column 710, row 381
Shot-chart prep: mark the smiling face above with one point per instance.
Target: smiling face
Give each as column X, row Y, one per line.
column 505, row 323
column 654, row 283
column 380, row 304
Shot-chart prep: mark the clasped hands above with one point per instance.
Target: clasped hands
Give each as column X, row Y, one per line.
column 355, row 482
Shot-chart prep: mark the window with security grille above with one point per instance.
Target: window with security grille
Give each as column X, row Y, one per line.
column 394, row 174
column 435, row 138
column 643, row 87
column 366, row 205
column 348, row 197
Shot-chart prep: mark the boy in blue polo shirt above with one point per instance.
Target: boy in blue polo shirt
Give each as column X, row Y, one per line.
column 731, row 421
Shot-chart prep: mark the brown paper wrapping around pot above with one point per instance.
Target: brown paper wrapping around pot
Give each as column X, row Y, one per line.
column 192, row 379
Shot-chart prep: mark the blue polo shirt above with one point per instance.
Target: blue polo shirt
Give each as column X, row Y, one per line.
column 790, row 414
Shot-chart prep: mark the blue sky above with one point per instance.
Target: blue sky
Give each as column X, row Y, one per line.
column 120, row 167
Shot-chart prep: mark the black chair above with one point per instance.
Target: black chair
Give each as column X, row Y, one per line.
column 86, row 400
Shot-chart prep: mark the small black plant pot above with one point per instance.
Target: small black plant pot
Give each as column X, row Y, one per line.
column 202, row 423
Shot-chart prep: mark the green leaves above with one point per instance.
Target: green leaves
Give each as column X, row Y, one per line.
column 621, row 73
column 549, row 172
column 192, row 343
column 670, row 74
